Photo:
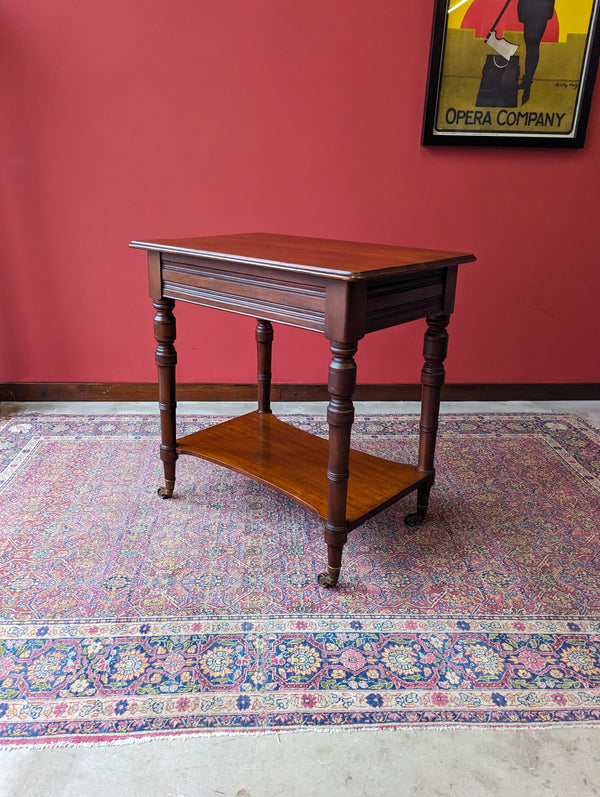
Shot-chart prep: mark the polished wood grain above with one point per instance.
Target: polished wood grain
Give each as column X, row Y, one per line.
column 331, row 258
column 265, row 448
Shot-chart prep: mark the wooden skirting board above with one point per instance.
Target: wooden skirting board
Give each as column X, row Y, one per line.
column 147, row 391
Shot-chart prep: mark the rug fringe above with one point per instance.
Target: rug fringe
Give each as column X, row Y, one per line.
column 11, row 746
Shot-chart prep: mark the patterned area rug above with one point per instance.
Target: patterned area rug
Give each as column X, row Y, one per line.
column 122, row 615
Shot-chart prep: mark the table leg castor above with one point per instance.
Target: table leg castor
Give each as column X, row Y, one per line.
column 167, row 490
column 416, row 518
column 330, row 578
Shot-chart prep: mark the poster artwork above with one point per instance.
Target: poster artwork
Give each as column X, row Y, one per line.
column 512, row 68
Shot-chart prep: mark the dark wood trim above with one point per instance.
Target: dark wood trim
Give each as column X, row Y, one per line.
column 148, row 391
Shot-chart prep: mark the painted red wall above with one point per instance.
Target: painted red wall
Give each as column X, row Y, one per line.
column 131, row 119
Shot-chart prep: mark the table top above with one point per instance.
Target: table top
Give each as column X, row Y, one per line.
column 346, row 260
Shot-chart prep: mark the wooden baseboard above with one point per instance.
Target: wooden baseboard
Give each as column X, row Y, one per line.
column 129, row 391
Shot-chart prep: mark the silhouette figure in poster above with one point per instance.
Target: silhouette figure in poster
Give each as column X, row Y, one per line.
column 534, row 15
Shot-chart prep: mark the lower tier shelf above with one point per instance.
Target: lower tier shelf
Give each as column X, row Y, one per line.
column 294, row 463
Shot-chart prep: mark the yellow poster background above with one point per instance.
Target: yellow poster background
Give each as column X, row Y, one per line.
column 551, row 109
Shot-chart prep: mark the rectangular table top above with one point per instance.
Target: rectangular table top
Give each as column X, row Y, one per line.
column 345, row 260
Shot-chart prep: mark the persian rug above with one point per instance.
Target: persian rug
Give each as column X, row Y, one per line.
column 124, row 616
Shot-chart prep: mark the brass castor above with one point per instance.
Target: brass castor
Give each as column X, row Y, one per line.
column 167, row 490
column 330, row 578
column 414, row 519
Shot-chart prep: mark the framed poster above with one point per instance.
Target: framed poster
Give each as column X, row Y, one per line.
column 511, row 72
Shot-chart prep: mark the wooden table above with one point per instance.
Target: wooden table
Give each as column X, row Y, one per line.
column 343, row 290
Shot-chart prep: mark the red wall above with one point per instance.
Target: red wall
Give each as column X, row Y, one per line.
column 132, row 119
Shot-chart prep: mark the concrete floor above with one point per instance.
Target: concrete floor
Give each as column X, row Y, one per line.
column 453, row 761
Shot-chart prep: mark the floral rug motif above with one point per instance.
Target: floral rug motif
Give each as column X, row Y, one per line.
column 125, row 616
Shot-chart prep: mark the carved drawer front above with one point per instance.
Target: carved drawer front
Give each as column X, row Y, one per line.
column 400, row 299
column 247, row 290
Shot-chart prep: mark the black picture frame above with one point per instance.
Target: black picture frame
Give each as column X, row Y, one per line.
column 477, row 83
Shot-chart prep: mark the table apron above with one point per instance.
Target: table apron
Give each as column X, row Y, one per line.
column 309, row 302
column 270, row 308
column 407, row 298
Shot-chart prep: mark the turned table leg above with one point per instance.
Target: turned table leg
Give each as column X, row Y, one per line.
column 264, row 343
column 340, row 416
column 435, row 349
column 166, row 359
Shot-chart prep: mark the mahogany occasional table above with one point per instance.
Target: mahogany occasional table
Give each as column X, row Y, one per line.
column 343, row 290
